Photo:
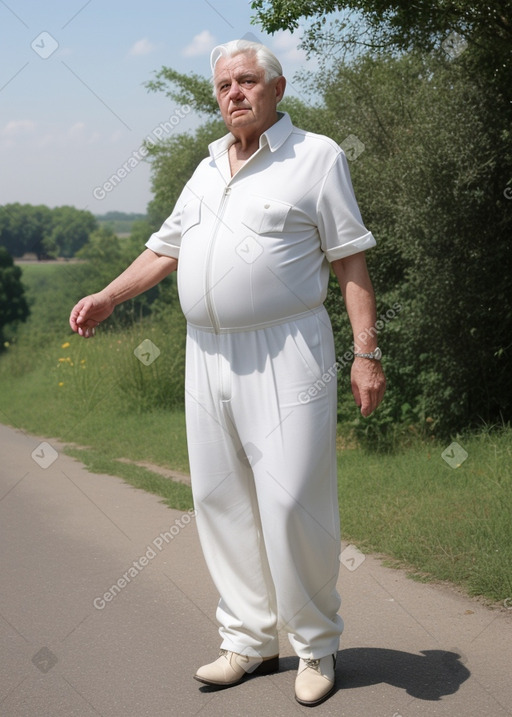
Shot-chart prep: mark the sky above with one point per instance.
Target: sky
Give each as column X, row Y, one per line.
column 73, row 105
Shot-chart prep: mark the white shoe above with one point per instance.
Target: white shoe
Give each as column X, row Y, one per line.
column 231, row 667
column 315, row 680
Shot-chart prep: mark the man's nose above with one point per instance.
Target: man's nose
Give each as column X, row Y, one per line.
column 235, row 91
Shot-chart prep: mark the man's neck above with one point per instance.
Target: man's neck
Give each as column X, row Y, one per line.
column 247, row 143
column 243, row 149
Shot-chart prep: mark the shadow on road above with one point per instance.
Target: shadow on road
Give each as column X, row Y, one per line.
column 429, row 676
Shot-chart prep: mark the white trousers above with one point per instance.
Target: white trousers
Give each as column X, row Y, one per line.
column 261, row 433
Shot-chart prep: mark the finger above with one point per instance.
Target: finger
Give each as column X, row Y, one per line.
column 73, row 317
column 365, row 409
column 356, row 394
column 79, row 314
column 367, row 404
column 86, row 331
column 83, row 309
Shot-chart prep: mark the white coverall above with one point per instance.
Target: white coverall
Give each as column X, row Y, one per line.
column 253, row 269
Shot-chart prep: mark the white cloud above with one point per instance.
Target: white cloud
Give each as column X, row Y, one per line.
column 76, row 131
column 285, row 46
column 142, row 47
column 17, row 127
column 201, row 44
column 27, row 134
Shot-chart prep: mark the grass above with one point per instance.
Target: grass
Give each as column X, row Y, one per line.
column 439, row 522
column 78, row 395
column 450, row 524
column 175, row 495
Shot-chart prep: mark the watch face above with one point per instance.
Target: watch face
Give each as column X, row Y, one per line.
column 377, row 354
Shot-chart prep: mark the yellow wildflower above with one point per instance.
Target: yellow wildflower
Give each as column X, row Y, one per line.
column 66, row 345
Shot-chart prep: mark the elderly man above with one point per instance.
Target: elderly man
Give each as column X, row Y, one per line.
column 252, row 236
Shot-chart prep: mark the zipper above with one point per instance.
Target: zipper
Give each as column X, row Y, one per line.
column 208, row 280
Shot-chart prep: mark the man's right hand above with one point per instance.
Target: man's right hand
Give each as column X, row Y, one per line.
column 89, row 312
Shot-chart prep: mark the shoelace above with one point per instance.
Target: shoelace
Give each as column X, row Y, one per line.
column 312, row 663
column 223, row 652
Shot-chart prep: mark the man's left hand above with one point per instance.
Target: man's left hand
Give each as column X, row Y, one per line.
column 368, row 384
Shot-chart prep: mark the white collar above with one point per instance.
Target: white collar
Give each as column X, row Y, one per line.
column 273, row 137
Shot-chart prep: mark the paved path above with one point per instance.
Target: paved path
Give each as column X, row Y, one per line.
column 72, row 645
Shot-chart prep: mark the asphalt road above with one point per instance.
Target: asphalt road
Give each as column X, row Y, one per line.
column 106, row 608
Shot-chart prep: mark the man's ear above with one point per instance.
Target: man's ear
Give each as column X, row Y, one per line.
column 280, row 88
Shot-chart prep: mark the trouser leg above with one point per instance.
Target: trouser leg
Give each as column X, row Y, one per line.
column 228, row 519
column 286, row 418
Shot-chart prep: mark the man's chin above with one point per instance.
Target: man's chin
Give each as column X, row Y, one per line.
column 240, row 121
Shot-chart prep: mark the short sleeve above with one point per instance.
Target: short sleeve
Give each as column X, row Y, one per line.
column 167, row 239
column 340, row 225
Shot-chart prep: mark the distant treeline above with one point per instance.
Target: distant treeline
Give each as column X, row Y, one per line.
column 119, row 222
column 59, row 232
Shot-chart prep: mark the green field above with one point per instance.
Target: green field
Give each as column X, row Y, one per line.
column 423, row 512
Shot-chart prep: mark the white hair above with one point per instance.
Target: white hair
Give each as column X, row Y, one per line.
column 264, row 57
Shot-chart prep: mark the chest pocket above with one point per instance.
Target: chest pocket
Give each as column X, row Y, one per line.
column 190, row 215
column 265, row 216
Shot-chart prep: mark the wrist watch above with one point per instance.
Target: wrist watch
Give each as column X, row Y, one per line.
column 373, row 355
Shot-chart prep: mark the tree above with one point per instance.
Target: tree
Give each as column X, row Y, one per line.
column 13, row 305
column 70, row 230
column 43, row 231
column 401, row 25
column 430, row 185
column 23, row 228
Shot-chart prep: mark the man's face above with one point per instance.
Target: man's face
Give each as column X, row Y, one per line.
column 247, row 103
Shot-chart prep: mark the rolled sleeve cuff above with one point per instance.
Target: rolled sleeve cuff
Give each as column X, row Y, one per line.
column 160, row 247
column 362, row 243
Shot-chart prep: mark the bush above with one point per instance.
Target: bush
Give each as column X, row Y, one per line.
column 13, row 304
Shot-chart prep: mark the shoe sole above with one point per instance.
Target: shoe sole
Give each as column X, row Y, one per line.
column 266, row 667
